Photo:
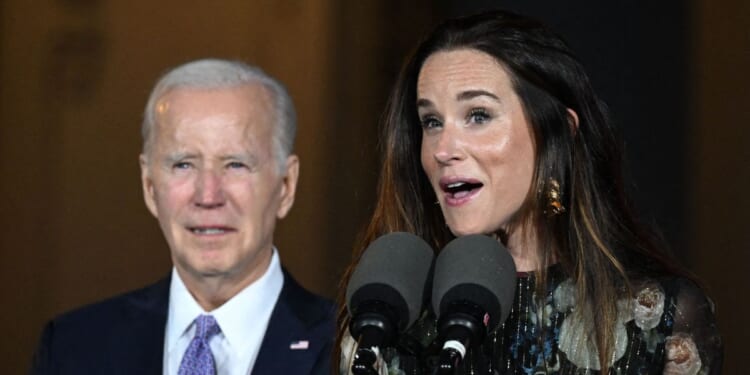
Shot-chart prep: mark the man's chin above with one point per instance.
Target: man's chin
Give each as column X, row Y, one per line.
column 207, row 271
column 213, row 271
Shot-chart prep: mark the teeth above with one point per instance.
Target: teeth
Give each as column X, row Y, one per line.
column 455, row 185
column 208, row 230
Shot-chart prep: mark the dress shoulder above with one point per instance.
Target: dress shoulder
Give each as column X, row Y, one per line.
column 695, row 344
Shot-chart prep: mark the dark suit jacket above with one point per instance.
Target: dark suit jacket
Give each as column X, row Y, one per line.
column 125, row 335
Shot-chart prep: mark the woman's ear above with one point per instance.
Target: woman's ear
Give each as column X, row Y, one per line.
column 573, row 121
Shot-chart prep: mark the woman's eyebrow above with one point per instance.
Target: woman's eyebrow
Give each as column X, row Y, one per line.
column 471, row 94
column 424, row 103
column 462, row 96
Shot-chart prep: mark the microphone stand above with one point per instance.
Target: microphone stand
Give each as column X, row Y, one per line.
column 463, row 325
column 373, row 326
column 366, row 354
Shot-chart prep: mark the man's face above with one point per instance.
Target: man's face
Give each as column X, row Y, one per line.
column 210, row 176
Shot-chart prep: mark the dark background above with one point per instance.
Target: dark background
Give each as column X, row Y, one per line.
column 76, row 74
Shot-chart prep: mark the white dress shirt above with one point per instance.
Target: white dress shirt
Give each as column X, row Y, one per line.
column 243, row 321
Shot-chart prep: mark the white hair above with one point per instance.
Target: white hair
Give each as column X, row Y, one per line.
column 216, row 73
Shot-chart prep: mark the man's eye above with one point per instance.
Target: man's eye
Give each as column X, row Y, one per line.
column 181, row 165
column 235, row 165
column 430, row 123
column 479, row 116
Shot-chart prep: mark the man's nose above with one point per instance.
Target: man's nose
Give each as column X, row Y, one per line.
column 209, row 190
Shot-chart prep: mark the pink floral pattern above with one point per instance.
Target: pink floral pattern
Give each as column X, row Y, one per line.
column 682, row 355
column 649, row 306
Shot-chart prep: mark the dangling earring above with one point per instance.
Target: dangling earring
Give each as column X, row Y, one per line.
column 554, row 199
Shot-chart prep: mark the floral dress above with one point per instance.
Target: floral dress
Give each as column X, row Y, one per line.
column 667, row 328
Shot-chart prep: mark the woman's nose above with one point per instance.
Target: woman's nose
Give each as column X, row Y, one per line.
column 448, row 147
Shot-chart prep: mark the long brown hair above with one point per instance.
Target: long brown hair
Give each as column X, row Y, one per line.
column 598, row 240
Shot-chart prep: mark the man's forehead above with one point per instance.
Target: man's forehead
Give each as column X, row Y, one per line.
column 245, row 106
column 252, row 98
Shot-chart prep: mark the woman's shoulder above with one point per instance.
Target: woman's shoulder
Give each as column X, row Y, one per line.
column 684, row 298
column 689, row 314
column 672, row 286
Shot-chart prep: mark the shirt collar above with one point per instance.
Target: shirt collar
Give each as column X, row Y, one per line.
column 256, row 300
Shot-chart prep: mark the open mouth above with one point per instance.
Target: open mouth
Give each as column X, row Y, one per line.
column 460, row 189
column 208, row 231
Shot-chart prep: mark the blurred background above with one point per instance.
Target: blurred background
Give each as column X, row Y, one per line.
column 76, row 74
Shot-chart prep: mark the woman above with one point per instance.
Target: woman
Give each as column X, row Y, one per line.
column 493, row 128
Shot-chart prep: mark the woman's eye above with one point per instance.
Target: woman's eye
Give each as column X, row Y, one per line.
column 430, row 123
column 479, row 116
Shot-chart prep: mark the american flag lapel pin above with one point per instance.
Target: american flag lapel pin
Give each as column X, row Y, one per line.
column 299, row 345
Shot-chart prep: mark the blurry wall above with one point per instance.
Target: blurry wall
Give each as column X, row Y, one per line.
column 718, row 164
column 76, row 73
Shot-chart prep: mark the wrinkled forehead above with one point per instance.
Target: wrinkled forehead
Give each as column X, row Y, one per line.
column 235, row 115
column 247, row 101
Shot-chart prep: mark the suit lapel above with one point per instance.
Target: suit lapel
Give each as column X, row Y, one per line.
column 300, row 328
column 297, row 333
column 141, row 338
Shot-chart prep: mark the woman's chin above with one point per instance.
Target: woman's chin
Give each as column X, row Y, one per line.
column 463, row 230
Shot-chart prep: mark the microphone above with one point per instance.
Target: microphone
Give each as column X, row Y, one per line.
column 385, row 293
column 473, row 289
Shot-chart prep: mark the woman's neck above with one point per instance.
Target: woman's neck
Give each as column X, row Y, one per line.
column 524, row 250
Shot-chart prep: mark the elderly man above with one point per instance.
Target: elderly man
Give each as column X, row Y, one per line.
column 217, row 172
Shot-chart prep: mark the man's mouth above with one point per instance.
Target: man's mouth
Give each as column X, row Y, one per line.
column 207, row 231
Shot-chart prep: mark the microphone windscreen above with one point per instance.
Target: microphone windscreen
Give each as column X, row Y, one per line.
column 393, row 270
column 476, row 269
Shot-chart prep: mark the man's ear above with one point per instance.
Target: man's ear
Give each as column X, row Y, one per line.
column 288, row 186
column 148, row 185
column 573, row 121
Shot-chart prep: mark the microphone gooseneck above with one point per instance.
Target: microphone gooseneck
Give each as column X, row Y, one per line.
column 385, row 294
column 473, row 287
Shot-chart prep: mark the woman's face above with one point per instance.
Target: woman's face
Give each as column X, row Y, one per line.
column 477, row 149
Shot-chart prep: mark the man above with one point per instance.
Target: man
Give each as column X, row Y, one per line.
column 217, row 172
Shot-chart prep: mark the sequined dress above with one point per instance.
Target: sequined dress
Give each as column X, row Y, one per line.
column 669, row 327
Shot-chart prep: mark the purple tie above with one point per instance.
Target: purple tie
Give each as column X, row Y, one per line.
column 198, row 359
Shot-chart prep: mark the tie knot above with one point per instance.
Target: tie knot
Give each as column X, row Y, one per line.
column 206, row 327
